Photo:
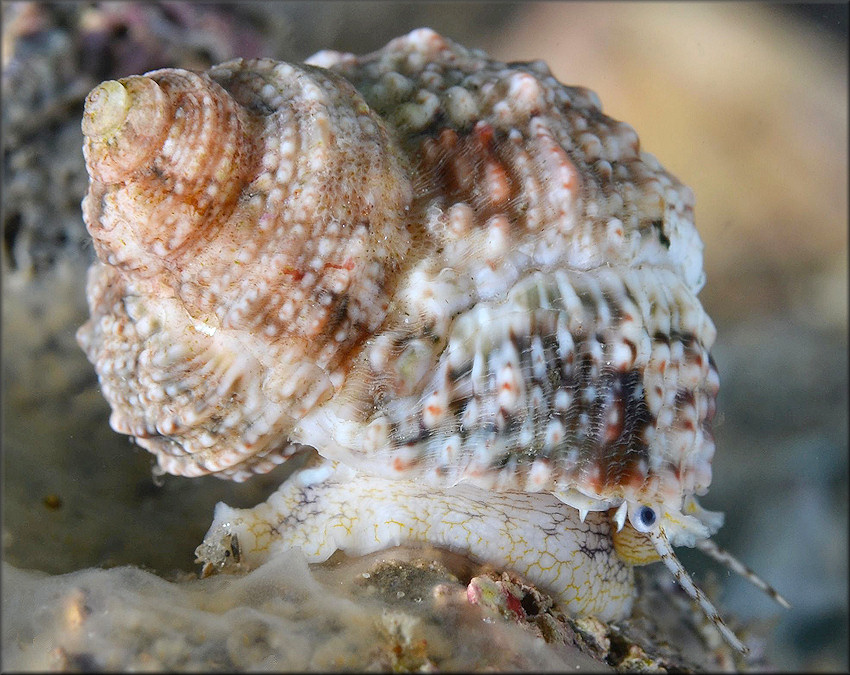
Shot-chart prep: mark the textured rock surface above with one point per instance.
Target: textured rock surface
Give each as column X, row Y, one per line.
column 400, row 610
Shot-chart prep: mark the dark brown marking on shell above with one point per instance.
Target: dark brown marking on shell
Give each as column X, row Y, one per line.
column 623, row 456
column 611, row 450
column 465, row 167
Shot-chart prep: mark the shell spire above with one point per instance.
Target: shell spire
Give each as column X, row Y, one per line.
column 123, row 124
column 250, row 223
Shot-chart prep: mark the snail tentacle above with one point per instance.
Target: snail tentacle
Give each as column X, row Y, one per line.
column 723, row 556
column 662, row 545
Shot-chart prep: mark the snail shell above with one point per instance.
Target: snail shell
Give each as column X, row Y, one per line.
column 435, row 268
column 224, row 309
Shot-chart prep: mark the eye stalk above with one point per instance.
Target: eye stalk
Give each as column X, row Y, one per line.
column 644, row 518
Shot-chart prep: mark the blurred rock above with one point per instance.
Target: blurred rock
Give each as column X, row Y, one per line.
column 400, row 610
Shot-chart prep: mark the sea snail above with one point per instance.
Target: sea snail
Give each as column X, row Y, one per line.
column 457, row 279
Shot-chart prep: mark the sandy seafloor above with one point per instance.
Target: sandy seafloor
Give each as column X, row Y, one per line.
column 747, row 104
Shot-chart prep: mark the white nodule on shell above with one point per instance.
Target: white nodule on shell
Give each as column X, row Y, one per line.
column 418, row 113
column 377, row 434
column 460, row 105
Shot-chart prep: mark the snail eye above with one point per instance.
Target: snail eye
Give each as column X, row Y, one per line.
column 644, row 519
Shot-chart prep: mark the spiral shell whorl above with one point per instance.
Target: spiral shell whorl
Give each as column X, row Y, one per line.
column 248, row 247
column 518, row 171
column 173, row 167
column 124, row 122
column 329, row 202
